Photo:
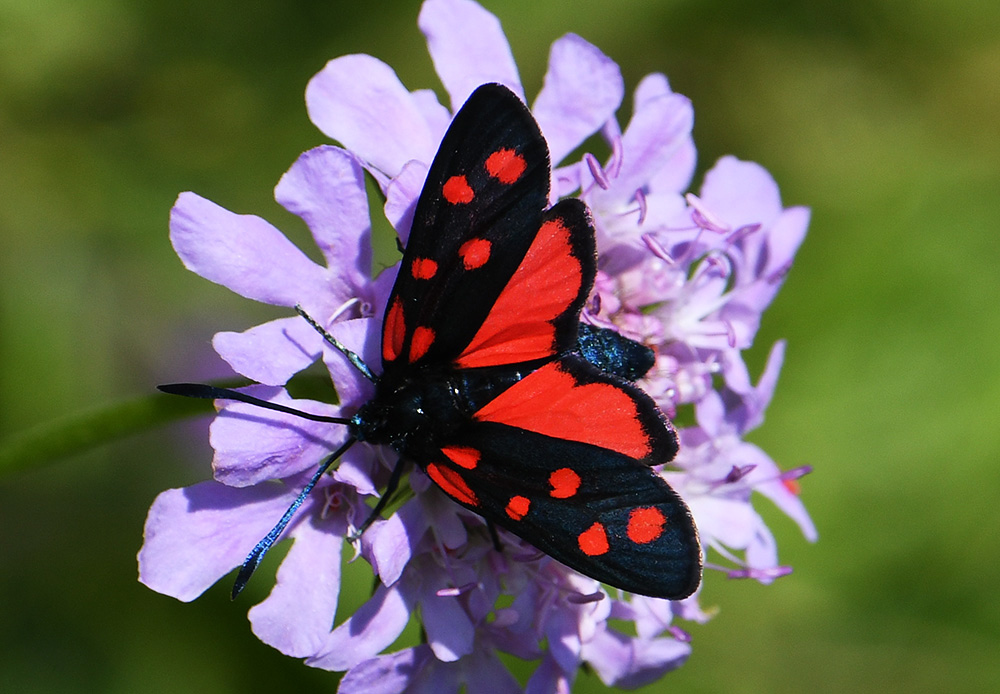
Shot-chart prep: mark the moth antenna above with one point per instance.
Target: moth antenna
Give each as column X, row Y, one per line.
column 256, row 555
column 207, row 392
column 352, row 357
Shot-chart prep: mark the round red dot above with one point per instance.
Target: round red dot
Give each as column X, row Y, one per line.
column 594, row 540
column 423, row 268
column 645, row 524
column 456, row 190
column 505, row 165
column 564, row 483
column 517, row 507
column 475, row 253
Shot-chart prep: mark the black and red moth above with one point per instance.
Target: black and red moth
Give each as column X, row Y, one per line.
column 484, row 384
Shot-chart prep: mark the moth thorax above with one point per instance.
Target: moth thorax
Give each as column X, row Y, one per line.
column 420, row 409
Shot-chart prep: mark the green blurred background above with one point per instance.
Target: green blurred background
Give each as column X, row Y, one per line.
column 879, row 114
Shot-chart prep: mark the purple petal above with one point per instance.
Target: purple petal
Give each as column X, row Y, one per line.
column 653, row 86
column 298, row 614
column 468, row 47
column 675, row 175
column 609, row 653
column 450, row 633
column 438, row 678
column 652, row 659
column 361, row 336
column 367, row 632
column 583, row 88
column 766, row 385
column 791, row 505
column 548, row 678
column 562, row 628
column 393, row 540
column 242, row 252
column 731, row 522
column 741, row 192
column 445, row 517
column 784, row 238
column 765, row 478
column 359, row 101
column 196, row 535
column 386, row 674
column 401, row 197
column 654, row 135
column 270, row 353
column 437, row 115
column 326, row 188
column 355, row 470
column 253, row 445
column 762, row 552
column 485, row 674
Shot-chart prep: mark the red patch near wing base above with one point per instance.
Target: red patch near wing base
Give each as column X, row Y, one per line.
column 452, row 483
column 463, row 456
column 423, row 338
column 393, row 331
column 519, row 326
column 549, row 401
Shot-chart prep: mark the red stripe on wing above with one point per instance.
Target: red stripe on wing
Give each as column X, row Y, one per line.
column 393, row 331
column 550, row 401
column 545, row 284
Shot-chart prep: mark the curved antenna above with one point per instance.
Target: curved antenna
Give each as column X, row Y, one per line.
column 256, row 555
column 352, row 357
column 200, row 390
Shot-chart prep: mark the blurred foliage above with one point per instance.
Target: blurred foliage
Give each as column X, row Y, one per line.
column 880, row 115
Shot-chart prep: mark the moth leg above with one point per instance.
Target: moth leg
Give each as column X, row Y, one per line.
column 390, row 489
column 497, row 545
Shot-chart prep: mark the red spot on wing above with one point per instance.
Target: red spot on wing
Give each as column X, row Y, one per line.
column 518, row 507
column 456, row 190
column 594, row 540
column 645, row 524
column 549, row 401
column 506, row 165
column 452, row 483
column 475, row 253
column 393, row 331
column 564, row 483
column 463, row 456
column 423, row 268
column 519, row 326
column 423, row 338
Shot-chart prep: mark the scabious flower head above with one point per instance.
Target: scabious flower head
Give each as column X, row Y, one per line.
column 688, row 275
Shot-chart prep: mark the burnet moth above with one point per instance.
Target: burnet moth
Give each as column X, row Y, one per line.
column 492, row 385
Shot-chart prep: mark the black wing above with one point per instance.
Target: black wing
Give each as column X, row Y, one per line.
column 561, row 459
column 483, row 249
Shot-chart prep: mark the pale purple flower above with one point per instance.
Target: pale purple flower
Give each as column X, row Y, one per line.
column 688, row 275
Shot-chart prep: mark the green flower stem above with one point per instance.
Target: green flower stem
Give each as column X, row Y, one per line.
column 76, row 433
column 67, row 436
